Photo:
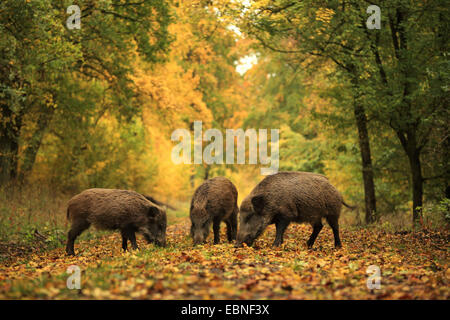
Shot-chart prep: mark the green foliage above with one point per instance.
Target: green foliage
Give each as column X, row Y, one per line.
column 81, row 73
column 301, row 154
column 31, row 218
column 398, row 74
column 92, row 157
column 85, row 108
column 437, row 215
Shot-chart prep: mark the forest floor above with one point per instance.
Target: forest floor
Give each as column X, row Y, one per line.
column 413, row 265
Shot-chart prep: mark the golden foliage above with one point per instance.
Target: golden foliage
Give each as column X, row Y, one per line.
column 411, row 267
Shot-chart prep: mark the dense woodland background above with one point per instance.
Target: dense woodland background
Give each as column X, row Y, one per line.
column 95, row 107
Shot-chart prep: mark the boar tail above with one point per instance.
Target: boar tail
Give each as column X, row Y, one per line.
column 159, row 203
column 68, row 214
column 348, row 206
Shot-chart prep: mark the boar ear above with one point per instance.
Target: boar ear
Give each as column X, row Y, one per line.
column 258, row 203
column 152, row 211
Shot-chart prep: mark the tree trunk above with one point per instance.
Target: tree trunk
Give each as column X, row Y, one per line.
column 367, row 169
column 207, row 168
column 364, row 147
column 35, row 142
column 417, row 183
column 9, row 144
column 409, row 143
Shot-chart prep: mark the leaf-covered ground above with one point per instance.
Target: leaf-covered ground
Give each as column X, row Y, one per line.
column 414, row 265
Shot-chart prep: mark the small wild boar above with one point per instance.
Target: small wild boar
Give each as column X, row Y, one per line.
column 214, row 201
column 286, row 197
column 113, row 209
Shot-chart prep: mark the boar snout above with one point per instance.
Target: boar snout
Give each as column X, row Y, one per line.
column 198, row 238
column 248, row 240
column 161, row 243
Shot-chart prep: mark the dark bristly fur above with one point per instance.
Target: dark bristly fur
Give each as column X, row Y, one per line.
column 286, row 197
column 113, row 209
column 214, row 201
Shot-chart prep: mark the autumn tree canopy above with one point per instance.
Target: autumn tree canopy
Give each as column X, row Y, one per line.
column 96, row 106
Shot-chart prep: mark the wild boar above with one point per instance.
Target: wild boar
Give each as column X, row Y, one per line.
column 286, row 197
column 113, row 209
column 214, row 201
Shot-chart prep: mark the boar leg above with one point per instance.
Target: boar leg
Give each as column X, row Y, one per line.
column 128, row 233
column 334, row 224
column 229, row 230
column 234, row 222
column 133, row 240
column 216, row 229
column 124, row 241
column 75, row 231
column 232, row 227
column 316, row 229
column 281, row 226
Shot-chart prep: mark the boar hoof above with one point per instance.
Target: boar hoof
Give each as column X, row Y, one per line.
column 276, row 245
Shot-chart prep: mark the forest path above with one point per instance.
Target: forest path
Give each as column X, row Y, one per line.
column 413, row 265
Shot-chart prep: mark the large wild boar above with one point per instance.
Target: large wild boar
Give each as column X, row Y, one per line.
column 214, row 201
column 113, row 209
column 286, row 197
